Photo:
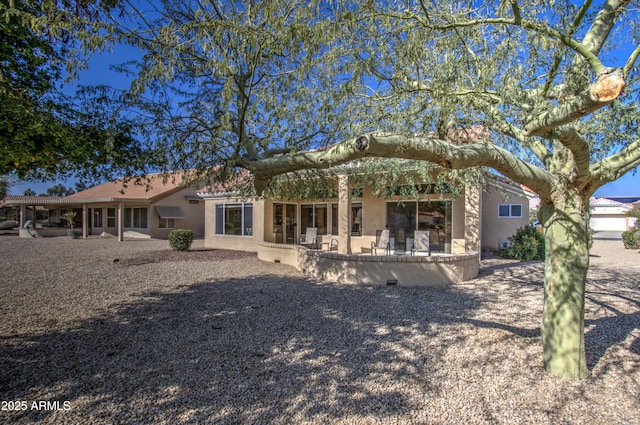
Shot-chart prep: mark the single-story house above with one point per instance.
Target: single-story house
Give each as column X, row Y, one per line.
column 610, row 215
column 349, row 223
column 146, row 208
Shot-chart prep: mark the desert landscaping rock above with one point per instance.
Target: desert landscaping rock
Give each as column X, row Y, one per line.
column 112, row 332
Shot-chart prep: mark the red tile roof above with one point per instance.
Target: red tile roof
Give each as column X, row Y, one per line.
column 148, row 188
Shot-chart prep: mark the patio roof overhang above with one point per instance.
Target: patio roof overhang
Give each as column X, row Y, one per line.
column 63, row 201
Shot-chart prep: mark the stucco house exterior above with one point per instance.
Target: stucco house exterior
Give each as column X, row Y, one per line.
column 348, row 223
column 148, row 208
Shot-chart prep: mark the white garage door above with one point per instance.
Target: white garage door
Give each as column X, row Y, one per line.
column 609, row 223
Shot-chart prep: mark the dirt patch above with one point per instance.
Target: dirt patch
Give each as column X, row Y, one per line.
column 168, row 255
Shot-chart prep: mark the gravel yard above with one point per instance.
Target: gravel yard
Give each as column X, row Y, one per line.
column 103, row 332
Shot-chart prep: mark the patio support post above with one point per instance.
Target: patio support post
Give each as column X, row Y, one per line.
column 120, row 221
column 344, row 211
column 23, row 214
column 472, row 208
column 85, row 224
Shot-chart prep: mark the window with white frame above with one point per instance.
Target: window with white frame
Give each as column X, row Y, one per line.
column 314, row 215
column 111, row 217
column 355, row 217
column 234, row 219
column 135, row 218
column 510, row 210
column 167, row 223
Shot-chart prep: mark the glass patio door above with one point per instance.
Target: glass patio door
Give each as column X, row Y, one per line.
column 284, row 223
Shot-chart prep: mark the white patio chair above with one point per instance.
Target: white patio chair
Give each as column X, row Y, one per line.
column 421, row 242
column 382, row 242
column 310, row 238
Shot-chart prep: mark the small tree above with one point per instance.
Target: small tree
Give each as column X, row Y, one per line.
column 69, row 217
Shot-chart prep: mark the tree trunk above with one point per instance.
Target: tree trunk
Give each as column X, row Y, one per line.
column 565, row 274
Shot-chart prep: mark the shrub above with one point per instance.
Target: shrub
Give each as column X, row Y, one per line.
column 180, row 239
column 629, row 240
column 526, row 245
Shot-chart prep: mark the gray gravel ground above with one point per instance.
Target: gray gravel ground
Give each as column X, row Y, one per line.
column 104, row 332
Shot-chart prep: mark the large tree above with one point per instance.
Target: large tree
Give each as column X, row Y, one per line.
column 44, row 133
column 278, row 87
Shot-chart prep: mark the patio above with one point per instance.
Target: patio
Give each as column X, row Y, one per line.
column 400, row 268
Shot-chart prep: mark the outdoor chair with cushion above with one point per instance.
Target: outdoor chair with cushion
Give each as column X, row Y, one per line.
column 421, row 242
column 382, row 242
column 310, row 238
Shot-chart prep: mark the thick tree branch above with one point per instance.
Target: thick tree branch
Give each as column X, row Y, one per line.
column 503, row 126
column 439, row 152
column 631, row 61
column 579, row 148
column 615, row 166
column 605, row 90
column 602, row 25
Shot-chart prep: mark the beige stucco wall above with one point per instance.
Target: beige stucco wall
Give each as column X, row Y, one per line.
column 397, row 270
column 496, row 230
column 373, row 219
column 234, row 242
column 194, row 214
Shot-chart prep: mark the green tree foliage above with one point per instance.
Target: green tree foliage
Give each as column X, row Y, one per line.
column 59, row 190
column 543, row 92
column 43, row 133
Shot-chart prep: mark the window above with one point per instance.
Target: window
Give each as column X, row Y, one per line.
column 510, row 210
column 404, row 218
column 334, row 219
column 314, row 215
column 167, row 223
column 97, row 217
column 234, row 219
column 355, row 217
column 111, row 217
column 135, row 218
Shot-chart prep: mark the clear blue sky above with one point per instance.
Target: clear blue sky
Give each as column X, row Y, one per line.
column 99, row 73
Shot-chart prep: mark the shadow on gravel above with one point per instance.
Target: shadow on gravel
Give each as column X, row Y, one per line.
column 608, row 290
column 239, row 351
column 263, row 350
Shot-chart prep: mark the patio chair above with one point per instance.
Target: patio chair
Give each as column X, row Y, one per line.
column 333, row 245
column 421, row 242
column 382, row 242
column 310, row 238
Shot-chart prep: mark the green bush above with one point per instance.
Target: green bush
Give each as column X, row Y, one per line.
column 526, row 245
column 629, row 240
column 180, row 239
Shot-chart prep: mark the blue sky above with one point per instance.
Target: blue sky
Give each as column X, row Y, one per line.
column 99, row 73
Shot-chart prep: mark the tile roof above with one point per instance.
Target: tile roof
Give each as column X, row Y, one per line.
column 148, row 188
column 32, row 200
column 604, row 202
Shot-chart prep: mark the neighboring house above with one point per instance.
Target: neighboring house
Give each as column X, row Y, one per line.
column 150, row 208
column 610, row 215
column 457, row 226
